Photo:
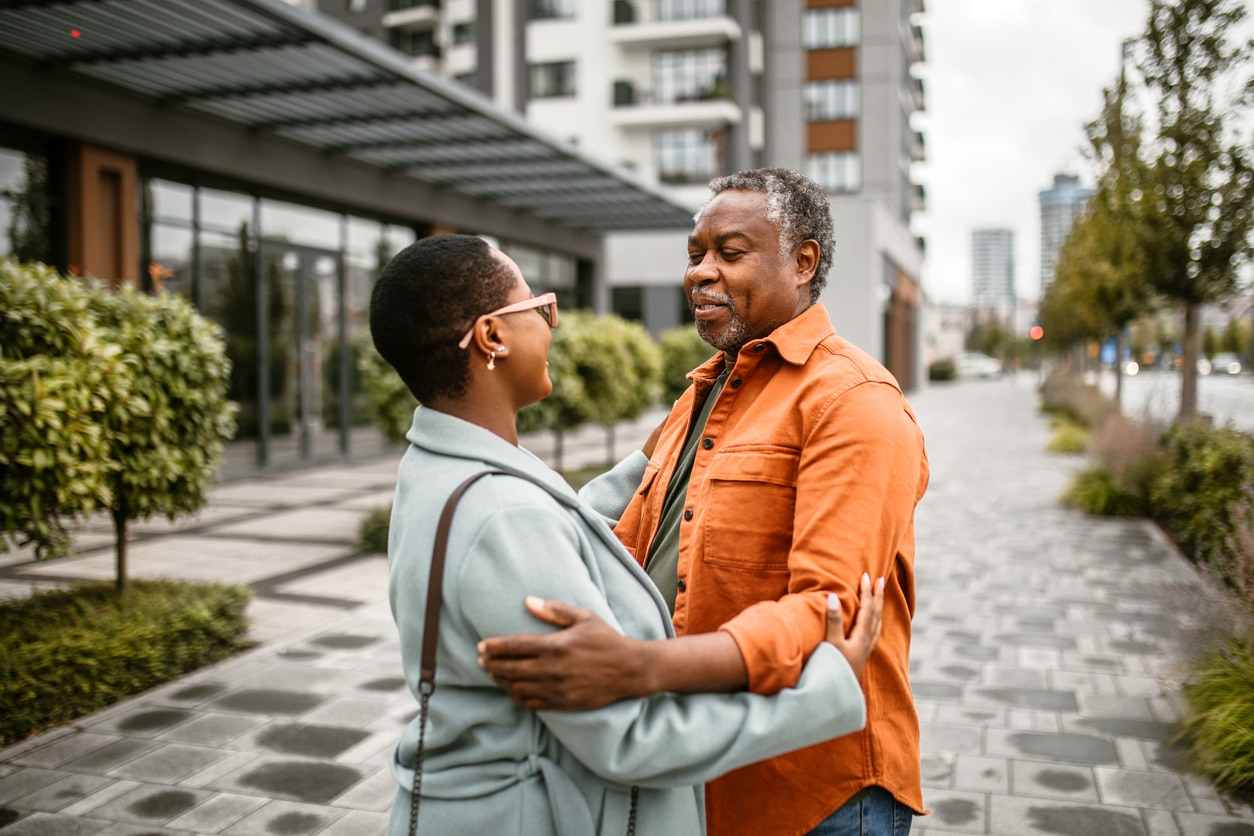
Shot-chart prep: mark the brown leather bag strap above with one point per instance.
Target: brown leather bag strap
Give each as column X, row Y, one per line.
column 431, row 631
column 435, row 594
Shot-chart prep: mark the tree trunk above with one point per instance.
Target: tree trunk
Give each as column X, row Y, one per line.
column 1119, row 343
column 119, row 527
column 1188, row 372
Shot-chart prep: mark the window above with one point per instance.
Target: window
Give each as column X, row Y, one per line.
column 836, row 171
column 26, row 206
column 689, row 9
column 690, row 155
column 552, row 9
column 464, row 33
column 690, row 75
column 828, row 28
column 416, row 44
column 827, row 100
column 553, row 80
column 357, row 6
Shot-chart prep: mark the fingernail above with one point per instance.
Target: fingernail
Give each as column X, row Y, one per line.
column 533, row 601
column 881, row 582
column 833, row 601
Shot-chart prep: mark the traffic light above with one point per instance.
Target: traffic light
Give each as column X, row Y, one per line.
column 1036, row 332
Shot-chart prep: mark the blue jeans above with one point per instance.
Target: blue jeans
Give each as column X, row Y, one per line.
column 874, row 814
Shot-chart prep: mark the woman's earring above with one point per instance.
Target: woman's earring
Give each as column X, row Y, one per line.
column 492, row 358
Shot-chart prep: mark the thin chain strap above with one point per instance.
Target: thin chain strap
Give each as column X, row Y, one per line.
column 631, row 817
column 424, row 703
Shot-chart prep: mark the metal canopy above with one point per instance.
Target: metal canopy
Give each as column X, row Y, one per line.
column 281, row 71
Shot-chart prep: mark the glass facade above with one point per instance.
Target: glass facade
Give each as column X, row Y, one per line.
column 290, row 286
column 830, row 28
column 831, row 100
column 27, row 206
column 688, row 155
column 836, row 171
column 690, row 75
column 689, row 9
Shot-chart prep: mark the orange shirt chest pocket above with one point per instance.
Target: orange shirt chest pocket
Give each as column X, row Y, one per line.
column 748, row 509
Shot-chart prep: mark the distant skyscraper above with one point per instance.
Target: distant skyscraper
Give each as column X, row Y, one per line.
column 993, row 272
column 1060, row 206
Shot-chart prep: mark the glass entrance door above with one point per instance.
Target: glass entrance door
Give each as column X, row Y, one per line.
column 301, row 422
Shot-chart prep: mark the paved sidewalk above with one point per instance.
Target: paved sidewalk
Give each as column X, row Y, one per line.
column 1042, row 665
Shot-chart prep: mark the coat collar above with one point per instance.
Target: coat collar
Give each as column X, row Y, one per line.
column 449, row 435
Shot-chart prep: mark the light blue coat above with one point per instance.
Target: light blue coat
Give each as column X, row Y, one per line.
column 493, row 767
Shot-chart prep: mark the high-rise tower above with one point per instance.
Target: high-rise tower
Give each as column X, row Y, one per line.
column 1060, row 207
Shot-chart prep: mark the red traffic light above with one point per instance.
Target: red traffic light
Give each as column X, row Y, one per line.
column 1036, row 332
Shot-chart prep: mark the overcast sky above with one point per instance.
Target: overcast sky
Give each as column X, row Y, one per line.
column 1009, row 86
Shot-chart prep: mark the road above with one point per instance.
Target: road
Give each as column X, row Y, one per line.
column 1228, row 399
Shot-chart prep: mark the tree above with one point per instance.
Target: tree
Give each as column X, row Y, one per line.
column 56, row 367
column 621, row 367
column 1194, row 208
column 166, row 434
column 392, row 404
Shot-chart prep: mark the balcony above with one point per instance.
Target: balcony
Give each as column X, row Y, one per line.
column 916, row 45
column 917, row 94
column 635, row 107
column 918, row 147
column 413, row 16
column 692, row 33
column 918, row 198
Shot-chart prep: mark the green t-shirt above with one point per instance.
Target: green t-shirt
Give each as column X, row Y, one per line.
column 663, row 562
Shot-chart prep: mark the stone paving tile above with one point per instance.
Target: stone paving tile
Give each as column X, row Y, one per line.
column 218, row 812
column 955, row 811
column 286, row 817
column 67, row 748
column 57, row 796
column 53, row 824
column 1051, row 780
column 1018, row 815
column 151, row 804
column 1158, row 790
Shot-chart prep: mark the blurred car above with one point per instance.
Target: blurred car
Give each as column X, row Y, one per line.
column 1225, row 362
column 974, row 364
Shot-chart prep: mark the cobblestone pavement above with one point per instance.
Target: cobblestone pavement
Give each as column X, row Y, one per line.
column 1045, row 643
column 1043, row 661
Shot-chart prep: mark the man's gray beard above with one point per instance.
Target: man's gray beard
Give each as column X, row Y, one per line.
column 730, row 340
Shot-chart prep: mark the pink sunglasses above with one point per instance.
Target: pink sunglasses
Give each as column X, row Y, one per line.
column 545, row 303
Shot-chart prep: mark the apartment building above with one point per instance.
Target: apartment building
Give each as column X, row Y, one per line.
column 1061, row 206
column 993, row 274
column 681, row 91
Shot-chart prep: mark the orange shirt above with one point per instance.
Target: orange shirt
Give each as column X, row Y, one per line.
column 807, row 475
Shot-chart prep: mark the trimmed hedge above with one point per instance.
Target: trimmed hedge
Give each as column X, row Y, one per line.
column 68, row 653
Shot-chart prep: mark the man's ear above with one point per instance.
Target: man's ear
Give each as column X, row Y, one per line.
column 808, row 252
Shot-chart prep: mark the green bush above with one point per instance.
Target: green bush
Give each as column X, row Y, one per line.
column 1069, row 437
column 1094, row 491
column 942, row 370
column 56, row 368
column 391, row 402
column 1203, row 478
column 372, row 537
column 68, row 653
column 1219, row 725
column 682, row 351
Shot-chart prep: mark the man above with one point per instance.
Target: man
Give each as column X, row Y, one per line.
column 789, row 468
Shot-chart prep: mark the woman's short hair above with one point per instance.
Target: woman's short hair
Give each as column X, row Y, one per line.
column 798, row 208
column 423, row 302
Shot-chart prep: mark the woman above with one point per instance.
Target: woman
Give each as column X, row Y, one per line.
column 457, row 321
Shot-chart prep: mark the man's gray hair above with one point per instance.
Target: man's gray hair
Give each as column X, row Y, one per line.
column 797, row 207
